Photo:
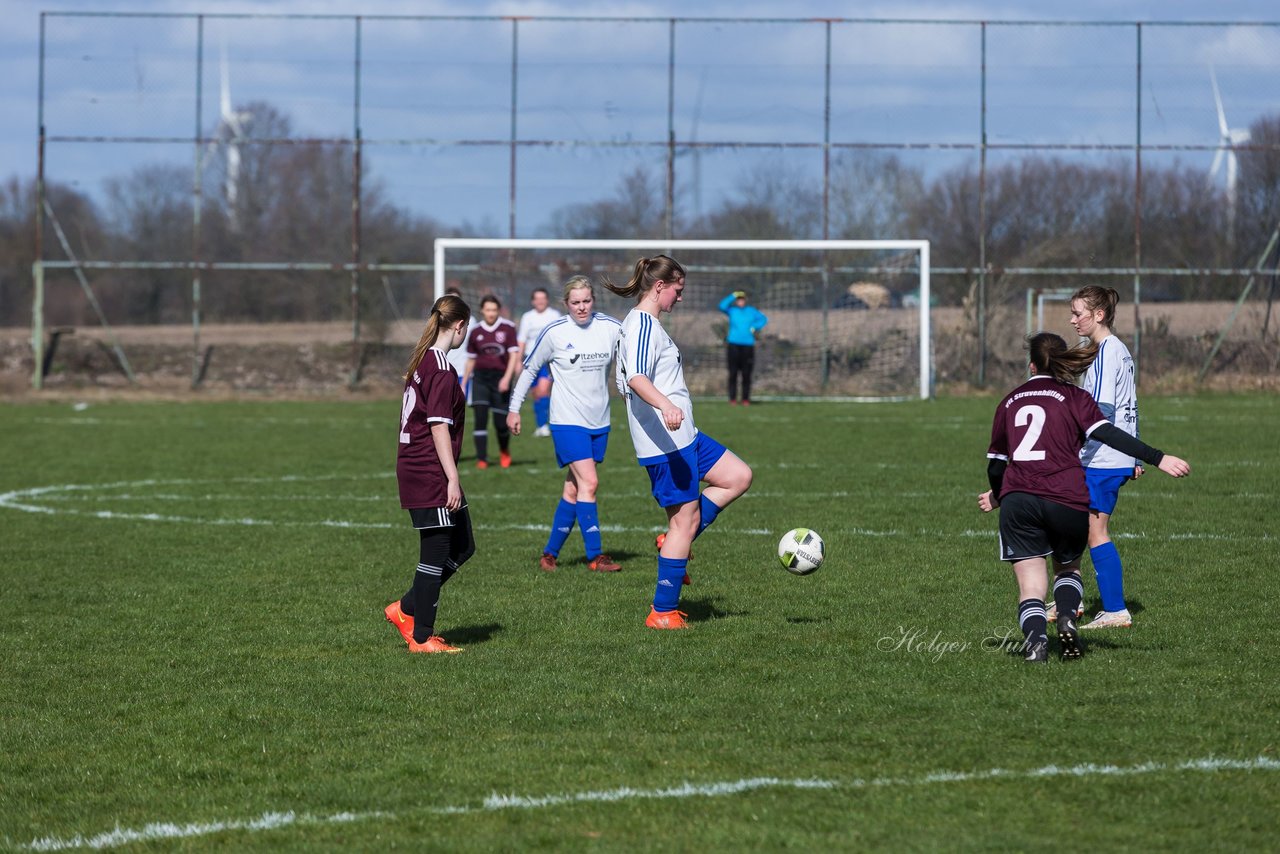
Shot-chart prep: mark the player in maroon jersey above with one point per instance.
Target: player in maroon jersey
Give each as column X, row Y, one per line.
column 432, row 416
column 493, row 361
column 1038, row 484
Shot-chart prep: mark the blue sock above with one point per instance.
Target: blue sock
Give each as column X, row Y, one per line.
column 542, row 411
column 710, row 510
column 1106, row 565
column 589, row 525
column 666, row 596
column 561, row 525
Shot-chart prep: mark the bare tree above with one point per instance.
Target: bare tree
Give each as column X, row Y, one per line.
column 636, row 210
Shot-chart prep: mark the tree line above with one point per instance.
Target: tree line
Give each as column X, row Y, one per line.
column 292, row 201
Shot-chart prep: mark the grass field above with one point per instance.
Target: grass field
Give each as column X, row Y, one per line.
column 193, row 652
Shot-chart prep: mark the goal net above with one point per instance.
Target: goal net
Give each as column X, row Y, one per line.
column 847, row 318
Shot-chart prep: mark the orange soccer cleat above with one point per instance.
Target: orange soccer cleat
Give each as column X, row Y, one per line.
column 504, row 459
column 666, row 620
column 603, row 563
column 402, row 621
column 547, row 563
column 433, row 644
column 482, row 464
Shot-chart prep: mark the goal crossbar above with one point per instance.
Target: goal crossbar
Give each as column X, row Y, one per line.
column 444, row 244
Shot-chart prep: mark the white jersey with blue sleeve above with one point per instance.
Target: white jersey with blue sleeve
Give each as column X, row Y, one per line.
column 1110, row 380
column 579, row 358
column 532, row 323
column 646, row 349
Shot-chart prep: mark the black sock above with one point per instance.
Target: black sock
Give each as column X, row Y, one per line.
column 433, row 549
column 481, row 432
column 1034, row 622
column 500, row 427
column 1068, row 593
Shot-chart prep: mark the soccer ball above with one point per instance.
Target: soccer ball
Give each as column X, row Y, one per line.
column 801, row 551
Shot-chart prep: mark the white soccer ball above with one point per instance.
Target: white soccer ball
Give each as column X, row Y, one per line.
column 801, row 551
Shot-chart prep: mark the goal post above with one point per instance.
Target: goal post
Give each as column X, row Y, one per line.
column 848, row 319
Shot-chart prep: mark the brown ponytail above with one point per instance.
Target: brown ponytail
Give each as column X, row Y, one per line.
column 1050, row 354
column 446, row 312
column 647, row 272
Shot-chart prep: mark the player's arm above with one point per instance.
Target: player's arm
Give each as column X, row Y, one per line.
column 513, row 365
column 760, row 322
column 532, row 364
column 444, row 451
column 643, row 387
column 522, row 338
column 996, row 466
column 728, row 301
column 1111, row 435
column 468, row 369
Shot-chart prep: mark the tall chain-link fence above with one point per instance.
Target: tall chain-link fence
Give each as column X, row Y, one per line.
column 211, row 184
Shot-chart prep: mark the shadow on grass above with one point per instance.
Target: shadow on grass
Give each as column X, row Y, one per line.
column 701, row 610
column 471, row 635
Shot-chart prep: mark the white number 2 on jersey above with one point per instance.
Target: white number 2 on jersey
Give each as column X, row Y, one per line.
column 406, row 409
column 1027, row 449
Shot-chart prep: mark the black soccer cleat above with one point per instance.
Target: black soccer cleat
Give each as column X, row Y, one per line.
column 1036, row 652
column 1068, row 638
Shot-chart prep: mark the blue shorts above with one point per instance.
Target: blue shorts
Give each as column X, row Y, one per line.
column 578, row 443
column 675, row 480
column 1104, row 487
column 544, row 373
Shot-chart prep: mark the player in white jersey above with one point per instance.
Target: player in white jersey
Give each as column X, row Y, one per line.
column 660, row 415
column 458, row 356
column 532, row 323
column 577, row 349
column 1110, row 381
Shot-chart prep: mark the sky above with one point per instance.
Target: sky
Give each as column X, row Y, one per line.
column 604, row 84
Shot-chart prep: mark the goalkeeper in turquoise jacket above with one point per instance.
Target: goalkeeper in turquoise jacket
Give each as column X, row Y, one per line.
column 744, row 322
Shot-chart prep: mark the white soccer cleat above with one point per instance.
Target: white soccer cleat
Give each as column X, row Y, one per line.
column 1051, row 611
column 544, row 431
column 1121, row 619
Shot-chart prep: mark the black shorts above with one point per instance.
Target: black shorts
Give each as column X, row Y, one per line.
column 436, row 517
column 484, row 391
column 1031, row 526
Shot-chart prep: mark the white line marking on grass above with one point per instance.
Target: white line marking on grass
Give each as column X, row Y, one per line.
column 495, row 802
column 166, row 830
column 626, row 793
column 37, row 499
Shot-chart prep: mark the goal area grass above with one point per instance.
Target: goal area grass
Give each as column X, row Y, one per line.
column 193, row 652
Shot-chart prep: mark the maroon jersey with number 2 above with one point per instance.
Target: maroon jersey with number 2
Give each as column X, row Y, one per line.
column 1039, row 429
column 432, row 395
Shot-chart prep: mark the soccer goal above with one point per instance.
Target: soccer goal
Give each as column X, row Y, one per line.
column 847, row 318
column 1037, row 298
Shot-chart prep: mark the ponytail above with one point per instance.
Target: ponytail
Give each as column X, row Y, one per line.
column 647, row 272
column 446, row 312
column 1050, row 355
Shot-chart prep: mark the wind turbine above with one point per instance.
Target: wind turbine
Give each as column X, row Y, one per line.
column 697, row 152
column 1228, row 139
column 694, row 152
column 229, row 133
